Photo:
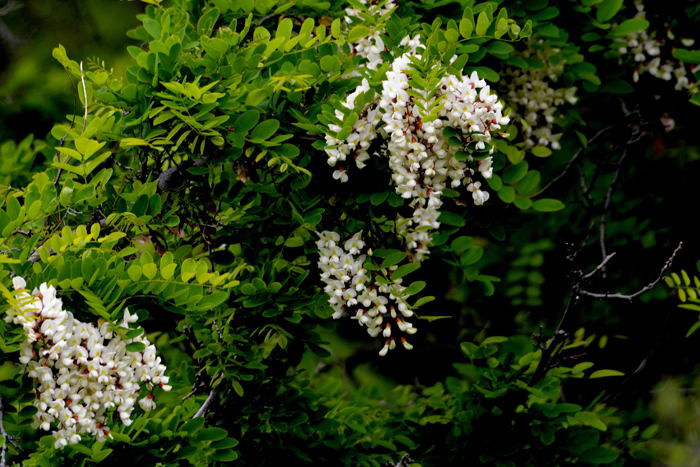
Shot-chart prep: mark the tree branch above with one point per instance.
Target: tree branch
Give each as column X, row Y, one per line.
column 608, row 197
column 403, row 462
column 598, row 268
column 204, row 409
column 646, row 288
column 573, row 159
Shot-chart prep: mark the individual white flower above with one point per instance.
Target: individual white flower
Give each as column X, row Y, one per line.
column 18, row 283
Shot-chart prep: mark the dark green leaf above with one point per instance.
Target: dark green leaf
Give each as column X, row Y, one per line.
column 547, row 205
column 136, row 347
column 393, row 259
column 265, row 129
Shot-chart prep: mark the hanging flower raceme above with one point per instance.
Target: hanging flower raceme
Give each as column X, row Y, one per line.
column 355, row 291
column 534, row 94
column 422, row 157
column 650, row 56
column 81, row 372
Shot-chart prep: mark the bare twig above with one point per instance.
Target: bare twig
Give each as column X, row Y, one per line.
column 5, row 32
column 599, row 267
column 204, row 409
column 606, row 206
column 646, row 288
column 217, row 327
column 559, row 335
column 197, row 387
column 573, row 159
column 403, row 462
column 12, row 5
column 82, row 78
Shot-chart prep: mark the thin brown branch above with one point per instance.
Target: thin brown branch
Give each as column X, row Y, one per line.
column 646, row 288
column 598, row 268
column 606, row 206
column 204, row 409
column 573, row 159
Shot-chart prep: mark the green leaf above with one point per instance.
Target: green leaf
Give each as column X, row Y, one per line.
column 394, row 258
column 482, row 24
column 605, row 373
column 153, row 28
column 529, row 182
column 212, row 434
column 294, row 242
column 581, row 367
column 379, row 198
column 404, row 270
column 255, row 97
column 600, row 455
column 507, row 194
column 513, row 173
column 99, row 456
column 466, row 28
column 423, row 301
column 500, row 48
column 461, row 243
column 265, row 129
column 213, row 300
column 693, row 328
column 450, row 218
column 687, row 56
column 607, row 9
column 149, row 270
column 649, row 431
column 335, row 28
column 471, row 256
column 134, row 272
column 248, row 289
column 188, row 269
column 136, row 347
column 547, row 205
column 330, row 63
column 357, row 33
column 618, row 86
column 630, row 27
column 494, row 340
column 414, row 288
column 541, row 151
column 247, row 121
column 284, row 28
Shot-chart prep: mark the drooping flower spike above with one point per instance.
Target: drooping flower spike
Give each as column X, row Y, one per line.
column 81, row 371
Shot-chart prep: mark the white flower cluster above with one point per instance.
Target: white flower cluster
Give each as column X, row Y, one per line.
column 371, row 46
column 422, row 161
column 647, row 52
column 533, row 94
column 353, row 290
column 81, row 372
